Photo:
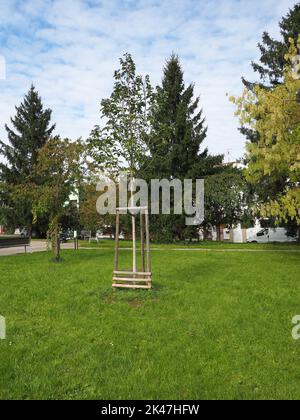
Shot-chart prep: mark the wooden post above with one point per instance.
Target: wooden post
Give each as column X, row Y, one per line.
column 133, row 244
column 134, row 279
column 133, row 228
column 148, row 240
column 142, row 241
column 117, row 239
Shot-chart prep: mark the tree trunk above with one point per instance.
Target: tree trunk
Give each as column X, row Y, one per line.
column 57, row 248
column 56, row 244
column 219, row 233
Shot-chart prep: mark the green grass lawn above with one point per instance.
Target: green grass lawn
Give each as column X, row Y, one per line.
column 109, row 243
column 216, row 325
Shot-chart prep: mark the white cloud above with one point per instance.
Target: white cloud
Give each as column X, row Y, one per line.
column 69, row 50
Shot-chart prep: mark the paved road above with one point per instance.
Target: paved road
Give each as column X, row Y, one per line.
column 36, row 246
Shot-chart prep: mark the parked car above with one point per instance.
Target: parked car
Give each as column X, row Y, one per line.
column 100, row 234
column 64, row 237
column 271, row 235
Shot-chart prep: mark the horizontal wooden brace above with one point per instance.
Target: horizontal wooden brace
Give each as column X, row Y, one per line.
column 132, row 279
column 131, row 273
column 131, row 286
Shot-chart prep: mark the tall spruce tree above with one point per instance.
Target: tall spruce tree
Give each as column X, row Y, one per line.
column 31, row 128
column 178, row 129
column 177, row 134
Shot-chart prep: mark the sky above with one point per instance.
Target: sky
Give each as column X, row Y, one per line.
column 69, row 50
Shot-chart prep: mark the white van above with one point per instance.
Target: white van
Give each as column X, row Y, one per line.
column 270, row 235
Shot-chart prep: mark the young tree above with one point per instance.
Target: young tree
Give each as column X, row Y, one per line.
column 61, row 166
column 120, row 144
column 275, row 115
column 31, row 130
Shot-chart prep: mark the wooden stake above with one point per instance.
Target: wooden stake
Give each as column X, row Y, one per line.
column 134, row 279
column 142, row 241
column 133, row 244
column 148, row 240
column 133, row 228
column 117, row 240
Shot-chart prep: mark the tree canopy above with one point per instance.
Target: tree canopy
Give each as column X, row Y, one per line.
column 31, row 130
column 275, row 158
column 271, row 65
column 178, row 129
column 120, row 143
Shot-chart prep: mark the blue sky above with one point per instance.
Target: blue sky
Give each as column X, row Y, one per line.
column 70, row 48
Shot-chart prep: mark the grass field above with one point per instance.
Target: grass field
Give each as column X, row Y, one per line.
column 216, row 325
column 109, row 243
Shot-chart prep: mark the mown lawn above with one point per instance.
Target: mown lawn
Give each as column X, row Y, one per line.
column 216, row 325
column 109, row 243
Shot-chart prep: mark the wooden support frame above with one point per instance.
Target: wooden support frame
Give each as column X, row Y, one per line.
column 134, row 278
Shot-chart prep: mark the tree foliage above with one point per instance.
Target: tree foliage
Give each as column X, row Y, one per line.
column 120, row 144
column 31, row 130
column 227, row 199
column 271, row 65
column 177, row 129
column 275, row 158
column 60, row 165
column 175, row 144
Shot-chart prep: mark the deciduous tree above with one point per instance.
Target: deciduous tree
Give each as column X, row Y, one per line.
column 61, row 165
column 275, row 158
column 120, row 144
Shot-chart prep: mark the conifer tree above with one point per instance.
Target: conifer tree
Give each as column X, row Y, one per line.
column 271, row 63
column 31, row 128
column 178, row 129
column 270, row 66
column 175, row 144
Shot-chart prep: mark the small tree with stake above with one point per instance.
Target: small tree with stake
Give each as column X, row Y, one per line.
column 121, row 144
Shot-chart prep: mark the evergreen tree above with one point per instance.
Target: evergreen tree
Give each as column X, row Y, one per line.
column 31, row 130
column 270, row 67
column 177, row 133
column 272, row 60
column 178, row 129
